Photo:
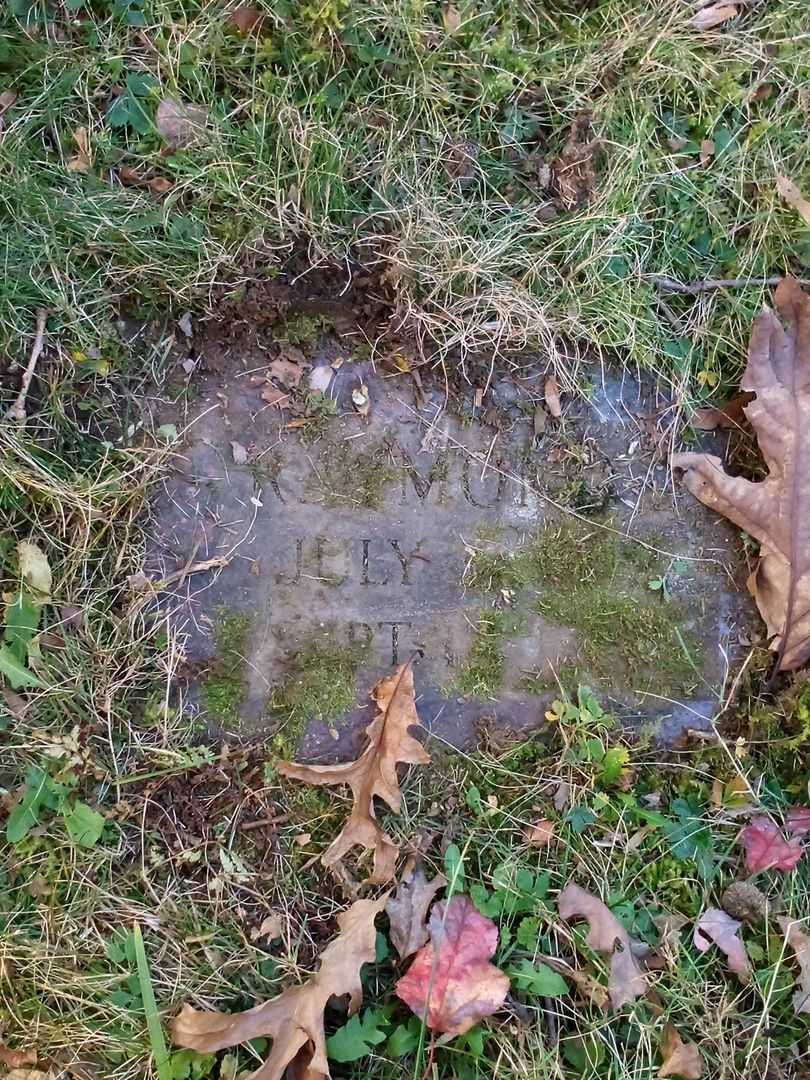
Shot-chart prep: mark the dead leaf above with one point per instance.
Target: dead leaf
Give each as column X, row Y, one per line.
column 729, row 415
column 541, row 834
column 294, row 1019
column 288, row 367
column 798, row 821
column 540, row 418
column 16, row 1059
column 767, row 849
column 680, row 1058
column 744, row 901
column 793, row 197
column 159, row 185
column 407, row 909
column 451, row 18
column 34, row 568
column 374, row 773
column 451, row 982
column 777, row 510
column 270, row 928
column 574, row 169
column 180, row 125
column 15, row 704
column 669, row 926
column 319, row 378
column 273, row 396
column 712, row 15
column 7, row 99
column 707, row 151
column 246, row 19
column 714, row 924
column 608, row 937
column 240, row 454
column 799, row 941
column 552, row 396
column 361, row 399
column 562, row 796
column 82, row 161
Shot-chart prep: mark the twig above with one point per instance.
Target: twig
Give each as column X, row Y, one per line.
column 17, row 410
column 692, row 288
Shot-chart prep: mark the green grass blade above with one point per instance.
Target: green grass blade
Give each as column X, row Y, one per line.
column 153, row 1024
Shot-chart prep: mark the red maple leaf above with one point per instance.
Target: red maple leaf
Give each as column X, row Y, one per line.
column 767, row 849
column 451, row 983
column 798, row 821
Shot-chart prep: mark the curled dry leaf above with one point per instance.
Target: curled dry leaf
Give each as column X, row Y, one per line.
column 247, row 19
column 799, row 941
column 608, row 937
column 34, row 568
column 239, row 453
column 552, row 397
column 680, row 1058
column 776, row 511
column 793, row 197
column 730, row 415
column 16, row 1059
column 767, row 849
column 273, row 396
column 711, row 15
column 288, row 367
column 180, row 125
column 82, row 160
column 374, row 773
column 541, row 834
column 407, row 908
column 451, row 982
column 294, row 1019
column 714, row 925
column 575, row 169
column 158, row 185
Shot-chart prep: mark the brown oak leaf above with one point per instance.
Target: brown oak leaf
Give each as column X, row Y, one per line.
column 451, row 982
column 607, row 936
column 294, row 1019
column 714, row 925
column 776, row 511
column 247, row 19
column 82, row 160
column 729, row 415
column 799, row 941
column 680, row 1058
column 407, row 909
column 374, row 773
column 767, row 849
column 551, row 394
column 541, row 834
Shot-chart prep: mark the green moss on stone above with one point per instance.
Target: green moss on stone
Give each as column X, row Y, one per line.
column 223, row 688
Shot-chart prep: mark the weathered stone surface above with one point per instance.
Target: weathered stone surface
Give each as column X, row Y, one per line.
column 390, row 536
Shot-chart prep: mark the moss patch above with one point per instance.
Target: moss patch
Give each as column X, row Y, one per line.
column 352, row 478
column 320, row 683
column 481, row 674
column 588, row 580
column 223, row 688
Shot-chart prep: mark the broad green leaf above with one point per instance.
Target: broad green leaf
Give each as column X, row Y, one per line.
column 17, row 674
column 22, row 620
column 613, row 764
column 25, row 815
column 405, row 1038
column 84, row 824
column 539, row 979
column 356, row 1038
column 528, row 932
column 580, row 818
column 454, row 870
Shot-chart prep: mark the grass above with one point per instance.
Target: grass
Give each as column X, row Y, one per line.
column 338, row 132
column 339, row 125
